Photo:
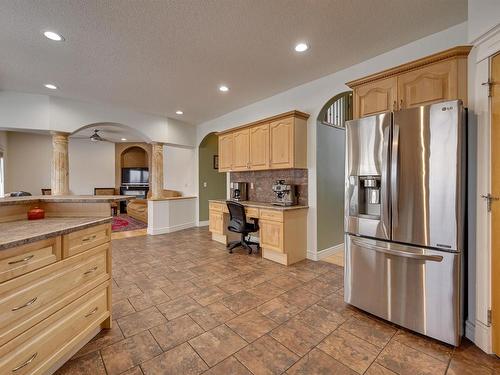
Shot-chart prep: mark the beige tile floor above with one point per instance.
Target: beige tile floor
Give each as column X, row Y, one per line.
column 183, row 305
column 337, row 258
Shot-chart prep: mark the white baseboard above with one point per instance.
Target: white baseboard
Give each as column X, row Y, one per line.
column 175, row 228
column 470, row 330
column 203, row 223
column 318, row 255
column 479, row 334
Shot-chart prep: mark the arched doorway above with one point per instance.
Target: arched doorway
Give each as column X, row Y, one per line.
column 212, row 184
column 330, row 171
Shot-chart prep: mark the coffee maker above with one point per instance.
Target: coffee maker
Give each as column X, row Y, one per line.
column 286, row 194
column 239, row 191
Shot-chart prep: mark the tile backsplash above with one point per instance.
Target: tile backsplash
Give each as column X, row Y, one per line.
column 264, row 180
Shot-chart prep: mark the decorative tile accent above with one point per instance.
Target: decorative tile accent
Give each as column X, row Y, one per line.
column 264, row 180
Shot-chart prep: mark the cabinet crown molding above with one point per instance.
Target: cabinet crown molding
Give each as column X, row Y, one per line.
column 295, row 113
column 459, row 51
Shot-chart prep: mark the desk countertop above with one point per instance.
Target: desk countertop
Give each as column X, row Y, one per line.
column 265, row 205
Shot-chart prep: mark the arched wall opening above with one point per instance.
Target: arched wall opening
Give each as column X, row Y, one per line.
column 330, row 166
column 212, row 184
column 131, row 147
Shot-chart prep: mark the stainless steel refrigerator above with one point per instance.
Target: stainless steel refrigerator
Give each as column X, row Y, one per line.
column 404, row 217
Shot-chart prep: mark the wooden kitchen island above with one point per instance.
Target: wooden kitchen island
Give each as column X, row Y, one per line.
column 55, row 279
column 282, row 234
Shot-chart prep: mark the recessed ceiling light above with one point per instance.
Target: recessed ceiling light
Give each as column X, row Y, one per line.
column 124, row 139
column 301, row 47
column 53, row 36
column 51, row 86
column 179, row 112
column 223, row 88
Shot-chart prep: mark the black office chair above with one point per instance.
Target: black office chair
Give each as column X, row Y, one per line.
column 238, row 224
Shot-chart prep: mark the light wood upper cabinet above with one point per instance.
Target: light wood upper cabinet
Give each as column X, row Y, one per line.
column 375, row 97
column 225, row 152
column 281, row 138
column 442, row 76
column 277, row 142
column 241, row 150
column 430, row 84
column 259, row 147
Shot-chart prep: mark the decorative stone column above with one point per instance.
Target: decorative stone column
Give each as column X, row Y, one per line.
column 156, row 170
column 59, row 181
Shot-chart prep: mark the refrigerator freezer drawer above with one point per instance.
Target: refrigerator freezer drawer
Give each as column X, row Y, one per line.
column 416, row 288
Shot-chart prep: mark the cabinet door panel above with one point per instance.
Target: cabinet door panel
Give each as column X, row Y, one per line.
column 225, row 152
column 428, row 85
column 271, row 235
column 215, row 222
column 241, row 150
column 282, row 138
column 375, row 97
column 259, row 147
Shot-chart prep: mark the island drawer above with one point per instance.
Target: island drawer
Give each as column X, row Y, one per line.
column 28, row 299
column 19, row 260
column 82, row 240
column 39, row 348
column 272, row 215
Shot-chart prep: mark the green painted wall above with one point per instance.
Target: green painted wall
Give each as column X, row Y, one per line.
column 216, row 182
column 330, row 185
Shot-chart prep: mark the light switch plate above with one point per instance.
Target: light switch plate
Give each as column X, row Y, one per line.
column 251, row 185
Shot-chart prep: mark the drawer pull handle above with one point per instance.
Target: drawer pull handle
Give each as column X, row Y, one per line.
column 29, row 303
column 86, row 239
column 25, row 363
column 22, row 260
column 93, row 269
column 92, row 312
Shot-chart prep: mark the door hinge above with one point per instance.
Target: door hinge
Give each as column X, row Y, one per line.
column 490, row 85
column 489, row 198
column 489, row 317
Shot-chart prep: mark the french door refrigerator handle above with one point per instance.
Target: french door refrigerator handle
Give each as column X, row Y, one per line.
column 394, row 175
column 384, row 183
column 404, row 254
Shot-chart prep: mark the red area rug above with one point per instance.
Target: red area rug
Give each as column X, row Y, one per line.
column 123, row 222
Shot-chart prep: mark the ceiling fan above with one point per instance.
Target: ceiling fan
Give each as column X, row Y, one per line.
column 96, row 137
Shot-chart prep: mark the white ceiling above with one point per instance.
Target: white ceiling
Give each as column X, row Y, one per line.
column 160, row 56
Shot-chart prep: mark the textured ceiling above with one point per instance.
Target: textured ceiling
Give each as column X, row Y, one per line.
column 109, row 132
column 160, row 56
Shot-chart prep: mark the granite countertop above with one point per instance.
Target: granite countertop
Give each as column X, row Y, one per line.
column 267, row 205
column 7, row 201
column 173, row 198
column 21, row 232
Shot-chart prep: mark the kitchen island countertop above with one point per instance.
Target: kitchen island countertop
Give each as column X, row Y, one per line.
column 7, row 201
column 21, row 232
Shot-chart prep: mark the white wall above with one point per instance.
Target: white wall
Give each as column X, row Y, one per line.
column 483, row 16
column 178, row 169
column 91, row 165
column 28, row 166
column 311, row 96
column 42, row 112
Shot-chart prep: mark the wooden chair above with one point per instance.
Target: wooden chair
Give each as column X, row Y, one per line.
column 108, row 191
column 46, row 191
